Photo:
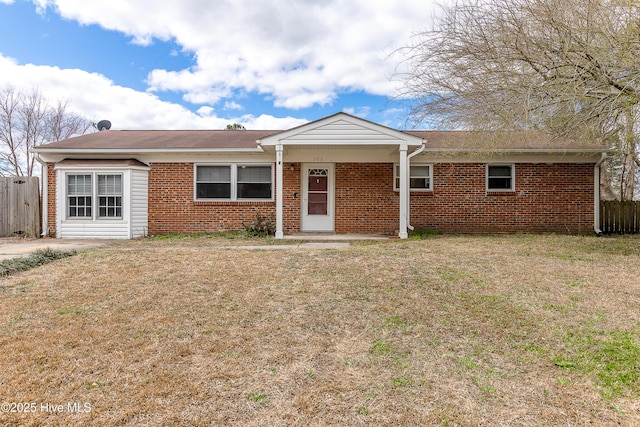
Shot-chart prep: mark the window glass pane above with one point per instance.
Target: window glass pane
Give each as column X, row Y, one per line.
column 499, row 183
column 421, row 183
column 254, row 174
column 254, row 191
column 79, row 185
column 213, row 174
column 420, row 171
column 317, row 204
column 109, row 185
column 79, row 207
column 213, row 191
column 500, row 171
column 110, row 206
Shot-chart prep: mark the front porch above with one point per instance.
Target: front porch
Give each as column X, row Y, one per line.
column 338, row 175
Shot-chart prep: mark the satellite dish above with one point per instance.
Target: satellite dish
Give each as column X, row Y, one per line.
column 103, row 125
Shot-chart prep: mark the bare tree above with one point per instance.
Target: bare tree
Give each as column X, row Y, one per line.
column 567, row 67
column 27, row 121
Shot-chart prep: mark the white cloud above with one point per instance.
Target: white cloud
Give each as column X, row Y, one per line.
column 95, row 97
column 231, row 105
column 296, row 52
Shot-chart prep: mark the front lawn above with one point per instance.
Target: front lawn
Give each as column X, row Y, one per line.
column 450, row 330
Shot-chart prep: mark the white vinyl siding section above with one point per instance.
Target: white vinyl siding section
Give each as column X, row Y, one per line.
column 133, row 221
column 139, row 204
column 345, row 132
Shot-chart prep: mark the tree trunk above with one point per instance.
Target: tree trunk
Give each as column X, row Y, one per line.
column 606, row 192
column 628, row 178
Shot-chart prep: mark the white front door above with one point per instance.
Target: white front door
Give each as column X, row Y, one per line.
column 317, row 197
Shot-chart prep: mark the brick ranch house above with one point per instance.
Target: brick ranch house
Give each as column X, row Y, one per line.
column 340, row 174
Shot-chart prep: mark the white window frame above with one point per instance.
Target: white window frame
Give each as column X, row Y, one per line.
column 234, row 182
column 115, row 197
column 511, row 189
column 95, row 204
column 396, row 168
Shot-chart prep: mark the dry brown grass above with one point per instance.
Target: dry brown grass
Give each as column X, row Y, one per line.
column 444, row 331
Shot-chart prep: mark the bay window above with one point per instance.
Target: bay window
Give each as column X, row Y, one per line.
column 88, row 193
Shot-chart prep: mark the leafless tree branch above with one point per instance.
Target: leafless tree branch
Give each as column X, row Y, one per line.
column 567, row 67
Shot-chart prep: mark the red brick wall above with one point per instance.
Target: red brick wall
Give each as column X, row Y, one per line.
column 291, row 198
column 51, row 195
column 547, row 198
column 172, row 208
column 364, row 200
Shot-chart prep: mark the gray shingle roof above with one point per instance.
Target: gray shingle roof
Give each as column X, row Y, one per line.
column 159, row 140
column 163, row 139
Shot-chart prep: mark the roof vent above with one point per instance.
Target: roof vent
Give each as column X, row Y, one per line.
column 103, row 125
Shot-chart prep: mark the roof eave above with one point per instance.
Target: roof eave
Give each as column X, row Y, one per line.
column 107, row 151
column 521, row 150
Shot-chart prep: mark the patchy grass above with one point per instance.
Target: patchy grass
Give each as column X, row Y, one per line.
column 37, row 258
column 453, row 330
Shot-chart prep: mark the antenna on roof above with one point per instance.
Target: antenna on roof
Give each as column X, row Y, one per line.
column 103, row 125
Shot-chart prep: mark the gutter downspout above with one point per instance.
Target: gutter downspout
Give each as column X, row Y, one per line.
column 415, row 153
column 596, row 195
column 45, row 196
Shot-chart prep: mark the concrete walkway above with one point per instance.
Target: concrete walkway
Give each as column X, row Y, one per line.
column 11, row 247
column 14, row 247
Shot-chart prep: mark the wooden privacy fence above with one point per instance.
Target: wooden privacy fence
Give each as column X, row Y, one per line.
column 620, row 217
column 19, row 206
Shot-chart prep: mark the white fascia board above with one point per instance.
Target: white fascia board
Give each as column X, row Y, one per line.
column 503, row 151
column 509, row 157
column 144, row 151
column 94, row 167
column 57, row 154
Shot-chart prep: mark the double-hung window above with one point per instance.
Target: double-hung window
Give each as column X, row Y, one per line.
column 79, row 195
column 420, row 177
column 254, row 182
column 91, row 193
column 213, row 182
column 109, row 196
column 500, row 178
column 234, row 182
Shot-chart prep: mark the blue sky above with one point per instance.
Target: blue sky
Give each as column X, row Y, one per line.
column 152, row 64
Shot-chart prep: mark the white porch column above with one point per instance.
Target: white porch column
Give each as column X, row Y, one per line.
column 279, row 190
column 404, row 192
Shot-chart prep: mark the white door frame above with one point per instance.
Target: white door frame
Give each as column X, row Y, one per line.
column 318, row 223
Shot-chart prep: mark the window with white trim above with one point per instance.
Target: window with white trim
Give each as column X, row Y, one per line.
column 500, row 177
column 109, row 196
column 420, row 177
column 79, row 196
column 81, row 188
column 234, row 182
